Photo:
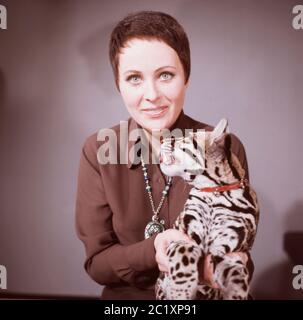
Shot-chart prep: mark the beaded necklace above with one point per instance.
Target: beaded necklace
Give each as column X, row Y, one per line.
column 154, row 226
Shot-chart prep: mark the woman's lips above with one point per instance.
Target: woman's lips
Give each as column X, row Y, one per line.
column 155, row 112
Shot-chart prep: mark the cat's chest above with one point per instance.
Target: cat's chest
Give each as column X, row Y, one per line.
column 178, row 196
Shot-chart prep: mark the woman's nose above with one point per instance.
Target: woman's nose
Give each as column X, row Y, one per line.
column 151, row 91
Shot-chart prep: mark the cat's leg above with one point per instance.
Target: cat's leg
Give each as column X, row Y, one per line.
column 160, row 286
column 232, row 276
column 183, row 275
column 205, row 292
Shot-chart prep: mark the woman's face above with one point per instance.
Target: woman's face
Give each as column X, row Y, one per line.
column 152, row 83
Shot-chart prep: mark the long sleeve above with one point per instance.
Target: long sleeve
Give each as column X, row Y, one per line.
column 108, row 262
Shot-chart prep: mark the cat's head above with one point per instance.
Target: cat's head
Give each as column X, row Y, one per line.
column 199, row 153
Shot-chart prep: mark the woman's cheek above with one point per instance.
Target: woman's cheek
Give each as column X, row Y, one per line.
column 174, row 90
column 132, row 99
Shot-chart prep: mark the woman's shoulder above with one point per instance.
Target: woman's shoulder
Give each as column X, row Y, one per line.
column 191, row 123
column 195, row 124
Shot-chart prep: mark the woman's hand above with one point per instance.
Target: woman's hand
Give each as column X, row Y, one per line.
column 161, row 243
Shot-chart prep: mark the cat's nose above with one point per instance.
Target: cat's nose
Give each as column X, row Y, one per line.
column 167, row 159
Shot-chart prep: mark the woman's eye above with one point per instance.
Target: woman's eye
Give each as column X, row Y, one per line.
column 134, row 79
column 166, row 76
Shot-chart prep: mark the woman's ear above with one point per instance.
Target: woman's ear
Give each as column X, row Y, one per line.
column 187, row 83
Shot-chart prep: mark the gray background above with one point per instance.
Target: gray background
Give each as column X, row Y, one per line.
column 56, row 88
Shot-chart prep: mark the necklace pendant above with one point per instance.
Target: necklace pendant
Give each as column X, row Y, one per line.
column 153, row 227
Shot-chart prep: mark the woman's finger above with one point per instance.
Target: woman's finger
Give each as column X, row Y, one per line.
column 162, row 268
column 161, row 257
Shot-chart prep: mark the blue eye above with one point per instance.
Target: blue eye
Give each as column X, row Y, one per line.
column 166, row 75
column 134, row 79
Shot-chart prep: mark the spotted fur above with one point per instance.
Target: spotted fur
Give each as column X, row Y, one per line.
column 219, row 223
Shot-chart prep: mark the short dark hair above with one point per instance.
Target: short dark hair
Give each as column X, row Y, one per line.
column 149, row 25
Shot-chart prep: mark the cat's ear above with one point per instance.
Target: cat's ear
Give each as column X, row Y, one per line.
column 220, row 129
column 224, row 142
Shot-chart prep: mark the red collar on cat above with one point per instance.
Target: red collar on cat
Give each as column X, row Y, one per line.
column 237, row 185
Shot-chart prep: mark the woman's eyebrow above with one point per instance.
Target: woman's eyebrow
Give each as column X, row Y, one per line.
column 136, row 71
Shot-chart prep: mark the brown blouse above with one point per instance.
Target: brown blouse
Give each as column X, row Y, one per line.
column 113, row 208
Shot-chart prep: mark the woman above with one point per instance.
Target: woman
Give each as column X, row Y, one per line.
column 150, row 56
